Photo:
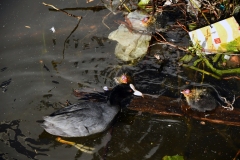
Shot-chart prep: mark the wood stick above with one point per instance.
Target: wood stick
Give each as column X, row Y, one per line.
column 71, row 15
column 171, row 107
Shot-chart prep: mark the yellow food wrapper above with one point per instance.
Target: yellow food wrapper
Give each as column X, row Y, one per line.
column 220, row 37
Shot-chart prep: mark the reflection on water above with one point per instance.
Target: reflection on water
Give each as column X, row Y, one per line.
column 5, row 84
column 34, row 84
column 13, row 139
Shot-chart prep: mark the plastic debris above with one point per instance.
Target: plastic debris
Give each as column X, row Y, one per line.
column 116, row 5
column 105, row 88
column 193, row 6
column 220, row 37
column 167, row 3
column 52, row 29
column 132, row 43
column 227, row 57
column 88, row 1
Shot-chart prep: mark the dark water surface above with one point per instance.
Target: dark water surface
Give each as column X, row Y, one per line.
column 35, row 81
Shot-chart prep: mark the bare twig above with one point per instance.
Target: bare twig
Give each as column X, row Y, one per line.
column 71, row 15
column 232, row 77
column 161, row 36
column 70, row 35
column 125, row 6
column 168, row 43
column 182, row 26
column 235, row 158
column 104, row 20
column 229, row 104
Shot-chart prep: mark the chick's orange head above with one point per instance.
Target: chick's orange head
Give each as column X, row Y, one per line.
column 124, row 79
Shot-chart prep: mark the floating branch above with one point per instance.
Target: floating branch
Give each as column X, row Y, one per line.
column 54, row 63
column 171, row 107
column 71, row 15
column 94, row 8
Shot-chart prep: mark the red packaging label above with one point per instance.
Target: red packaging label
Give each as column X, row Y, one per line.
column 217, row 40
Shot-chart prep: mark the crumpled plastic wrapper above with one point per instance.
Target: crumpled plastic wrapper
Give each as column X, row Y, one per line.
column 193, row 5
column 115, row 5
column 131, row 44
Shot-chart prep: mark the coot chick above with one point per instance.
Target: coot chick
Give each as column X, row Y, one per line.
column 200, row 99
column 126, row 78
column 88, row 118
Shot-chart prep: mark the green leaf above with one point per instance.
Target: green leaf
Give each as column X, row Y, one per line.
column 192, row 26
column 176, row 157
column 143, row 3
column 187, row 58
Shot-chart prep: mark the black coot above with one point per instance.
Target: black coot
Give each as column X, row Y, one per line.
column 87, row 118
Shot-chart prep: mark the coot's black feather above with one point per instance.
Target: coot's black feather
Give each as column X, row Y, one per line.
column 87, row 118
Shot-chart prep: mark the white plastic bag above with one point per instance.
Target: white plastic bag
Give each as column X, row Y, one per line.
column 131, row 45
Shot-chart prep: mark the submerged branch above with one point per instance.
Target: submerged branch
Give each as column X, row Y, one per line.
column 70, row 35
column 55, row 63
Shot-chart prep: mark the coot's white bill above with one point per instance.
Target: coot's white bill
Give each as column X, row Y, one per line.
column 136, row 92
